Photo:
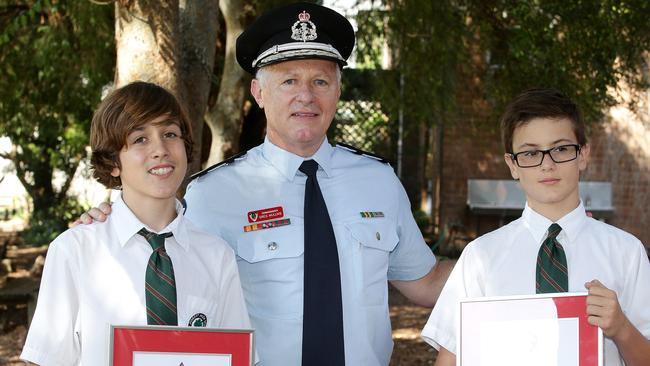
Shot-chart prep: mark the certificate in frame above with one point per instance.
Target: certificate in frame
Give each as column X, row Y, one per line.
column 162, row 345
column 528, row 330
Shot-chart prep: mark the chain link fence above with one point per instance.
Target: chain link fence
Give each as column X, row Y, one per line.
column 363, row 124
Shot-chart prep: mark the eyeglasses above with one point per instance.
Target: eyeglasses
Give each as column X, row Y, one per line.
column 533, row 158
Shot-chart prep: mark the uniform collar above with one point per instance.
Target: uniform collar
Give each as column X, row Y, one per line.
column 288, row 163
column 570, row 223
column 126, row 224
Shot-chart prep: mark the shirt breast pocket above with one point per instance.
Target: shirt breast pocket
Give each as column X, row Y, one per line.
column 198, row 312
column 374, row 240
column 271, row 269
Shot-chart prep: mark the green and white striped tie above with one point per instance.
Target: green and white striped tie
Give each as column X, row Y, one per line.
column 160, row 285
column 552, row 273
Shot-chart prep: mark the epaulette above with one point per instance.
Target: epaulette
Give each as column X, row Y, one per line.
column 354, row 150
column 228, row 161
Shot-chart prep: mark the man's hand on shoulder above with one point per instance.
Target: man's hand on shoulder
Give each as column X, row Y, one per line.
column 94, row 214
column 426, row 290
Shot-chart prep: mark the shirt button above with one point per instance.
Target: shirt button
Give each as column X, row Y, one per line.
column 377, row 235
column 272, row 246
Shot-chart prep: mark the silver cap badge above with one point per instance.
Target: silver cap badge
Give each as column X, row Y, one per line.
column 304, row 29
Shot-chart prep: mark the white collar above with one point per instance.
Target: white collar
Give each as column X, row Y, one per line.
column 288, row 163
column 126, row 224
column 571, row 223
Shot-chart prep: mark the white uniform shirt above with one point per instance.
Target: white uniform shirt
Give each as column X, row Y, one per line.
column 94, row 277
column 503, row 262
column 371, row 250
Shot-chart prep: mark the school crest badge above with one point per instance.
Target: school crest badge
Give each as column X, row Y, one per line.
column 198, row 320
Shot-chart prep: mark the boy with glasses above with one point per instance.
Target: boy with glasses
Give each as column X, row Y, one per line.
column 554, row 246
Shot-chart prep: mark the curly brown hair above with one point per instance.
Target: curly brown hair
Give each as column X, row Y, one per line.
column 121, row 112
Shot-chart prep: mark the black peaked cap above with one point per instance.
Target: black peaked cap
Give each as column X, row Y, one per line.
column 295, row 31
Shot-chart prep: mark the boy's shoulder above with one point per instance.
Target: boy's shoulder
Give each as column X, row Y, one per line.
column 496, row 243
column 610, row 233
column 86, row 233
column 80, row 239
column 499, row 236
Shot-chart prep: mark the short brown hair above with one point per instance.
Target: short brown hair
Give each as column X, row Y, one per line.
column 121, row 112
column 540, row 103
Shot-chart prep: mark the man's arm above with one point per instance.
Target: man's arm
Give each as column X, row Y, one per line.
column 604, row 311
column 425, row 291
column 445, row 358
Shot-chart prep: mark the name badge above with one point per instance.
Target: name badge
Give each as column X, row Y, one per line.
column 265, row 214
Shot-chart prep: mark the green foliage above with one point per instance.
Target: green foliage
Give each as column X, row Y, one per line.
column 498, row 48
column 581, row 47
column 423, row 220
column 423, row 39
column 45, row 225
column 361, row 124
column 55, row 56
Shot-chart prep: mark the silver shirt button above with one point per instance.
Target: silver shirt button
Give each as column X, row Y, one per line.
column 377, row 235
column 272, row 246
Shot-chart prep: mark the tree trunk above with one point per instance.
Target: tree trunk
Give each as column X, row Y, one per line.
column 46, row 218
column 39, row 187
column 147, row 40
column 225, row 117
column 170, row 43
column 199, row 21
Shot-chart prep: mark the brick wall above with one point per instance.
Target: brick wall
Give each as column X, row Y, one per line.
column 620, row 154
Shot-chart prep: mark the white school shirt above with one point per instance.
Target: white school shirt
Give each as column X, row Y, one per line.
column 503, row 262
column 386, row 245
column 94, row 277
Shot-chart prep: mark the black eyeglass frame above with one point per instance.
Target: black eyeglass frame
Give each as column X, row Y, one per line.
column 514, row 156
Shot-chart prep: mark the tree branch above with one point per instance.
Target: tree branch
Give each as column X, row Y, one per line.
column 70, row 172
column 20, row 173
column 12, row 9
column 102, row 2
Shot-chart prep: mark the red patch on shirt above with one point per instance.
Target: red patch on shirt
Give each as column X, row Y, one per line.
column 265, row 214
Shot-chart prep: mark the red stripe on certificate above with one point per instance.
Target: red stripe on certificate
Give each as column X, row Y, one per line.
column 575, row 307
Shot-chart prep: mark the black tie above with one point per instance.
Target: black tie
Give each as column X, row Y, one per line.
column 322, row 327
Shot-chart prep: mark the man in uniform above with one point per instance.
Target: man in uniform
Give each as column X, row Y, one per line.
column 318, row 230
column 257, row 203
